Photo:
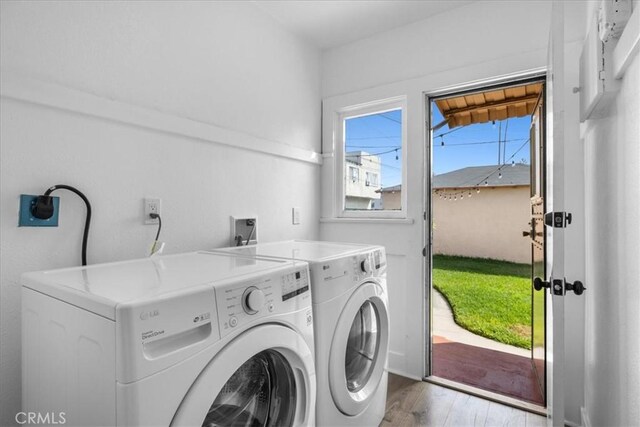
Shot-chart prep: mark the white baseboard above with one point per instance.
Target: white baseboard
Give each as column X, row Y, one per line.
column 404, row 374
column 585, row 417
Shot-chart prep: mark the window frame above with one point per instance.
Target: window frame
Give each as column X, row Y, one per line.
column 339, row 144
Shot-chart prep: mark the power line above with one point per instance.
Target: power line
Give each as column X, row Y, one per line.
column 374, row 146
column 478, row 142
column 503, row 165
column 389, row 118
column 448, row 132
column 373, row 137
column 374, row 154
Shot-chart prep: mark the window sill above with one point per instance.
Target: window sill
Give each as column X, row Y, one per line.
column 406, row 221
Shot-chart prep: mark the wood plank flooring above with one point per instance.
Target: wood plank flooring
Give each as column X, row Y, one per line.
column 419, row 403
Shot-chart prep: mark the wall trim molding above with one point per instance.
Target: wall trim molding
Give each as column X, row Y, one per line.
column 586, row 422
column 64, row 98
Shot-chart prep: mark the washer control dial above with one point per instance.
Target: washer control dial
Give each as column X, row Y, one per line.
column 365, row 265
column 253, row 300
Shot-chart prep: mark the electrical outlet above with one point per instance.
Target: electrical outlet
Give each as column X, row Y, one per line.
column 295, row 215
column 151, row 205
column 26, row 219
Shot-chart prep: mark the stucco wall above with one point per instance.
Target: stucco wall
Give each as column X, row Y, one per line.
column 488, row 224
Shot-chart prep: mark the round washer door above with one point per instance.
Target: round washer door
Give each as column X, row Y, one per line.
column 264, row 377
column 359, row 349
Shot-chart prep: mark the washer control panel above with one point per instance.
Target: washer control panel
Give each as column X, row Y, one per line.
column 294, row 284
column 364, row 265
column 244, row 302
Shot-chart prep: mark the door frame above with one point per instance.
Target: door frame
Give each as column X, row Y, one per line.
column 517, row 79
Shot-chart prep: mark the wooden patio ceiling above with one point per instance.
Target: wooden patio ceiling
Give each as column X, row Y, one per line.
column 482, row 107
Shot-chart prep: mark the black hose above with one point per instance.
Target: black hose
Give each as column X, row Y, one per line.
column 87, row 221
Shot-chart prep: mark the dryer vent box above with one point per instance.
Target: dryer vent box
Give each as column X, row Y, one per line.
column 243, row 228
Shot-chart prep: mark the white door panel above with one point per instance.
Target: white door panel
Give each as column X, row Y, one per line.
column 555, row 203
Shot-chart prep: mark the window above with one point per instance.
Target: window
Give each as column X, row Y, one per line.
column 372, row 179
column 372, row 174
column 355, row 173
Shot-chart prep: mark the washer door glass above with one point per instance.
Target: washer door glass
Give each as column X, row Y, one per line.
column 262, row 392
column 362, row 347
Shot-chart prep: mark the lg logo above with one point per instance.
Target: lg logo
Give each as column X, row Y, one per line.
column 148, row 314
column 48, row 418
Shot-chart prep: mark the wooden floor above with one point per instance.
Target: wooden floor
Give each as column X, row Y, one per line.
column 419, row 403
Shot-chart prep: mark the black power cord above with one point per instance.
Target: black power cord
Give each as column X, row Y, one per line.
column 252, row 224
column 154, row 216
column 43, row 209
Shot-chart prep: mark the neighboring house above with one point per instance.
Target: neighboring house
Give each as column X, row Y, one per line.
column 390, row 197
column 488, row 224
column 362, row 180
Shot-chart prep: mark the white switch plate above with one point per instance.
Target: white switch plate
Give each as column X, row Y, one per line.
column 151, row 205
column 295, row 215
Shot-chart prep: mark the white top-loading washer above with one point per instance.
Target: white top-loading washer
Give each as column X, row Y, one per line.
column 350, row 305
column 189, row 339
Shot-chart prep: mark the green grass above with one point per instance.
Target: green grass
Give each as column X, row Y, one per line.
column 488, row 297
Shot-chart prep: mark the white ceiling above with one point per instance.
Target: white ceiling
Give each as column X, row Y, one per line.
column 331, row 23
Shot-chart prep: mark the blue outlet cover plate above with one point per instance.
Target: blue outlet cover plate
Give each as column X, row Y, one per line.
column 26, row 219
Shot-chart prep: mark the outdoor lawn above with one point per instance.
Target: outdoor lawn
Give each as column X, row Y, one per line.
column 488, row 297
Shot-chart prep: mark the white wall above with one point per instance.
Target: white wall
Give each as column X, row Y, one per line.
column 129, row 99
column 477, row 42
column 612, row 187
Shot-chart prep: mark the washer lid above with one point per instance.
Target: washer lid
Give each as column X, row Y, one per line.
column 303, row 250
column 100, row 288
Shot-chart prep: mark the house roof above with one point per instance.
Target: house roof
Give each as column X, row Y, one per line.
column 482, row 107
column 518, row 174
column 391, row 189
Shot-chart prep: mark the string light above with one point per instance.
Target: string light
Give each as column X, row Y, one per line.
column 442, row 140
column 478, row 190
column 469, row 194
column 396, row 154
column 513, row 163
column 500, row 175
column 486, row 183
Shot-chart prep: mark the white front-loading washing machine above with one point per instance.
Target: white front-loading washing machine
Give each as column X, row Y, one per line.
column 350, row 306
column 195, row 339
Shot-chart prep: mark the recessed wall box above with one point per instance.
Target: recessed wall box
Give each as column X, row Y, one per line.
column 244, row 228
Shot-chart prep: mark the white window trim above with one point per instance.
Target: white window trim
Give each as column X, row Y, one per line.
column 341, row 115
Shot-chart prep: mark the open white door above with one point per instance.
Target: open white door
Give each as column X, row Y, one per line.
column 555, row 203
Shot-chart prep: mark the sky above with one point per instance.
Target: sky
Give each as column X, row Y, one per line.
column 378, row 134
column 474, row 145
column 481, row 143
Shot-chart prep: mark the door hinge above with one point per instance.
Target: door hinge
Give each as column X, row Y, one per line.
column 557, row 219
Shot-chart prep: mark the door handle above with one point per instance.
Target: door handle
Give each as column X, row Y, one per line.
column 577, row 287
column 539, row 284
column 526, row 233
